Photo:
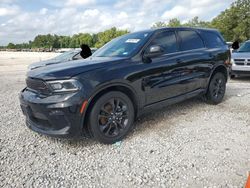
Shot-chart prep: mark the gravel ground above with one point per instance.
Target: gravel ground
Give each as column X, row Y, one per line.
column 190, row 144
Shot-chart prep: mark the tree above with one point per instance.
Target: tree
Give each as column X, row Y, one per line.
column 11, row 46
column 106, row 36
column 74, row 42
column 171, row 23
column 196, row 22
column 64, row 41
column 86, row 38
column 174, row 23
column 159, row 25
column 234, row 22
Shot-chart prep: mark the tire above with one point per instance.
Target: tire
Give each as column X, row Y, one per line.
column 111, row 117
column 216, row 89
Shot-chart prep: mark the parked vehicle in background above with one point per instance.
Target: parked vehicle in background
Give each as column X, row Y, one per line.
column 241, row 61
column 64, row 57
column 135, row 73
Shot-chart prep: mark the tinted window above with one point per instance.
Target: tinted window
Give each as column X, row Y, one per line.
column 167, row 40
column 213, row 40
column 245, row 47
column 190, row 40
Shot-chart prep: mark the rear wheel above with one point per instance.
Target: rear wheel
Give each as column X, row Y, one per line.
column 216, row 89
column 111, row 117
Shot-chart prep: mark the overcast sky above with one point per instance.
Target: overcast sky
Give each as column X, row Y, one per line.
column 22, row 20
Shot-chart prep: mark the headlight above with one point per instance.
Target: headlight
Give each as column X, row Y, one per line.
column 232, row 61
column 64, row 85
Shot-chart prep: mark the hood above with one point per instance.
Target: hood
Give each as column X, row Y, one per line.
column 44, row 63
column 66, row 70
column 241, row 55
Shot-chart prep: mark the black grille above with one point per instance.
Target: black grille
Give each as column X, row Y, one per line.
column 240, row 63
column 37, row 85
column 239, row 60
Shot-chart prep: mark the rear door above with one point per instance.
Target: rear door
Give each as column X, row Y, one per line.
column 193, row 60
column 218, row 50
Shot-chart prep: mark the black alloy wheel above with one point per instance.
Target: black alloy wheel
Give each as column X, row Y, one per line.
column 217, row 89
column 111, row 117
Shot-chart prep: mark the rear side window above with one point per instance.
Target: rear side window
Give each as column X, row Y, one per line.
column 190, row 40
column 167, row 40
column 212, row 40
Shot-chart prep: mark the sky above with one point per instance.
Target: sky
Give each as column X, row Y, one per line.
column 22, row 20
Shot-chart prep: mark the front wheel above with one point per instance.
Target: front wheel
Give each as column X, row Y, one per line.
column 111, row 117
column 216, row 89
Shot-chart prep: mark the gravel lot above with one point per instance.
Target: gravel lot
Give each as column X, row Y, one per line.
column 191, row 144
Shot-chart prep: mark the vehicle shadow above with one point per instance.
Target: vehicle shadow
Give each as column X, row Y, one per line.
column 144, row 123
column 170, row 113
column 241, row 79
column 73, row 142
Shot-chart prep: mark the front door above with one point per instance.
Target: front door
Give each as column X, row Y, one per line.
column 162, row 75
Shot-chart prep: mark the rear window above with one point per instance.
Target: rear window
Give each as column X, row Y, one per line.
column 190, row 40
column 212, row 40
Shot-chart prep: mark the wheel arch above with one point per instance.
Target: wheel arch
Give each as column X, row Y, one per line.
column 124, row 88
column 219, row 68
column 222, row 69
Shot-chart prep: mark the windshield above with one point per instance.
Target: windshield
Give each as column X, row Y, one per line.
column 245, row 47
column 66, row 55
column 124, row 46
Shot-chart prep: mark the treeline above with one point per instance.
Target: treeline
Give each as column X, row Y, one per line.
column 233, row 23
column 54, row 41
column 195, row 22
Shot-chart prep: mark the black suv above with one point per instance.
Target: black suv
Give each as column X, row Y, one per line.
column 103, row 95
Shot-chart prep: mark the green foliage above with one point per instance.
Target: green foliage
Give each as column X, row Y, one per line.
column 54, row 41
column 11, row 46
column 174, row 23
column 196, row 22
column 159, row 25
column 45, row 41
column 106, row 36
column 234, row 23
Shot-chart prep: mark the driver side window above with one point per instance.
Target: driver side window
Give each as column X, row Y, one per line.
column 167, row 41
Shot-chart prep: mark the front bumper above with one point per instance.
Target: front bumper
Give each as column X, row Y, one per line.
column 58, row 115
column 240, row 70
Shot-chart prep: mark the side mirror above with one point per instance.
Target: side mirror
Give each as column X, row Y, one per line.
column 154, row 51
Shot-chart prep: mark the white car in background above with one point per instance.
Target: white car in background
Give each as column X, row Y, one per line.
column 241, row 60
column 70, row 55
